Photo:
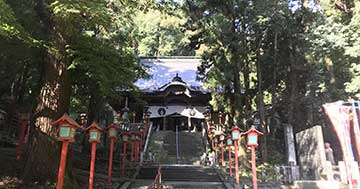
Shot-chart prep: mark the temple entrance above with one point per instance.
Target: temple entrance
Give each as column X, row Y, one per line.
column 176, row 119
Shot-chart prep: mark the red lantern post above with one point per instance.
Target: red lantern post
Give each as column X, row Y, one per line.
column 112, row 136
column 67, row 128
column 252, row 141
column 212, row 136
column 24, row 118
column 125, row 138
column 222, row 138
column 142, row 137
column 142, row 133
column 216, row 149
column 137, row 141
column 235, row 135
column 133, row 146
column 94, row 137
column 229, row 143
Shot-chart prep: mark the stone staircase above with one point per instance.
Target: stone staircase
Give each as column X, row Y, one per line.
column 178, row 176
column 184, row 172
column 163, row 145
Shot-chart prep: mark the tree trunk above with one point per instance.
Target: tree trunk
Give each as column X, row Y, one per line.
column 274, row 78
column 237, row 96
column 260, row 103
column 293, row 85
column 230, row 106
column 53, row 101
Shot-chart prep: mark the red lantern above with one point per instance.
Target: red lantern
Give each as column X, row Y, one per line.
column 94, row 132
column 136, row 138
column 24, row 118
column 112, row 135
column 67, row 128
column 229, row 143
column 222, row 138
column 125, row 138
column 235, row 135
column 252, row 136
column 112, row 130
column 141, row 129
column 94, row 137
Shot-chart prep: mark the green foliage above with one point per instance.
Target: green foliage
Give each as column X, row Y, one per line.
column 158, row 33
column 335, row 45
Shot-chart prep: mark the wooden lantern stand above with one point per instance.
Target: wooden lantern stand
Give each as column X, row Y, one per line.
column 235, row 135
column 229, row 143
column 112, row 133
column 67, row 129
column 125, row 138
column 94, row 138
column 24, row 119
column 252, row 142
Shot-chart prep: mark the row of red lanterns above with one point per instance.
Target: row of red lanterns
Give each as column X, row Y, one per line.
column 232, row 140
column 67, row 128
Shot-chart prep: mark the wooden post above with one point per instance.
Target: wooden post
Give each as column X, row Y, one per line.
column 110, row 158
column 136, row 151
column 62, row 165
column 253, row 167
column 123, row 159
column 21, row 139
column 92, row 165
column 230, row 162
column 236, row 163
column 132, row 151
column 216, row 153
column 222, row 154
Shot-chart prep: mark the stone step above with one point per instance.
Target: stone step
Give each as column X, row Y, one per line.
column 191, row 174
column 197, row 185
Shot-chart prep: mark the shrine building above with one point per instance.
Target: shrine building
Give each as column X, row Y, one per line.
column 173, row 94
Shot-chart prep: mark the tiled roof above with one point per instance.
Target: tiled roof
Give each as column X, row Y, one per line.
column 163, row 69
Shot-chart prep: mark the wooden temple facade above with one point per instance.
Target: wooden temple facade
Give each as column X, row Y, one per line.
column 173, row 95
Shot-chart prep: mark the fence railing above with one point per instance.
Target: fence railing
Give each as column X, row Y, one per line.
column 286, row 174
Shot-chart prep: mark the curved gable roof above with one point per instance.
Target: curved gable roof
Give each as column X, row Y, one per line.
column 163, row 70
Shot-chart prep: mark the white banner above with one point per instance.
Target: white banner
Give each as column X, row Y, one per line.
column 162, row 111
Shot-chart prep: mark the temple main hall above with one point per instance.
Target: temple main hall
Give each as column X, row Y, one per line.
column 173, row 94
